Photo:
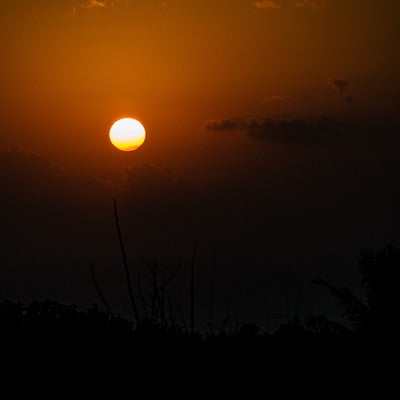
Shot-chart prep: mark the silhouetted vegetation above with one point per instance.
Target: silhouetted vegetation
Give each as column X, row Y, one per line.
column 373, row 315
column 51, row 331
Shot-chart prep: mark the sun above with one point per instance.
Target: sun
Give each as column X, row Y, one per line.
column 127, row 134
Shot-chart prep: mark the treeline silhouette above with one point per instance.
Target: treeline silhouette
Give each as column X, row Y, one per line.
column 50, row 331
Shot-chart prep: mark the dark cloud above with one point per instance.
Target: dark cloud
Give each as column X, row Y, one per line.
column 341, row 84
column 289, row 131
column 338, row 83
column 221, row 125
column 297, row 131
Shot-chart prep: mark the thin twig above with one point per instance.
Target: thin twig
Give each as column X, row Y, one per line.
column 192, row 278
column 99, row 292
column 182, row 315
column 125, row 262
column 142, row 296
column 160, row 290
column 212, row 298
column 171, row 316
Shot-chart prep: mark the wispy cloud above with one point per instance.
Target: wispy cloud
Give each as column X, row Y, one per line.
column 94, row 4
column 286, row 4
column 266, row 4
column 97, row 4
column 295, row 131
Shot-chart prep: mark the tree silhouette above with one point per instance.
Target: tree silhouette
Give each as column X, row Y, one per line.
column 375, row 314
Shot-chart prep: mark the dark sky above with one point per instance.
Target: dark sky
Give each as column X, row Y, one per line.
column 272, row 141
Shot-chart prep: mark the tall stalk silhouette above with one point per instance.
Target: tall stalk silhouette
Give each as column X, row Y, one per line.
column 192, row 280
column 98, row 290
column 125, row 263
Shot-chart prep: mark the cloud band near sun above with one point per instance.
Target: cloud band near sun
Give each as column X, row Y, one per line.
column 296, row 131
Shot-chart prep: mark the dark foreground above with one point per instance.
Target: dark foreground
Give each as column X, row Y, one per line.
column 51, row 348
column 310, row 357
column 48, row 332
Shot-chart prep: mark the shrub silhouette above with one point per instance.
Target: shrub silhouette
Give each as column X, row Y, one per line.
column 375, row 314
column 49, row 331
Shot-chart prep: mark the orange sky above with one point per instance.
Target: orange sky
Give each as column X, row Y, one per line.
column 69, row 68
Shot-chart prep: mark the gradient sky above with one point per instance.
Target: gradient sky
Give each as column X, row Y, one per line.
column 272, row 133
column 70, row 68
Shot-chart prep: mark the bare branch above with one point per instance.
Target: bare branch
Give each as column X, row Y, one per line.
column 125, row 263
column 99, row 292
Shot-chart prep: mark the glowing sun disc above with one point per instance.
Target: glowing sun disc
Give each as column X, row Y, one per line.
column 127, row 134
